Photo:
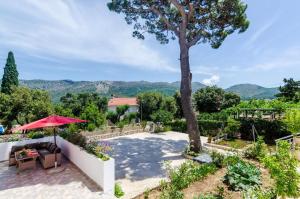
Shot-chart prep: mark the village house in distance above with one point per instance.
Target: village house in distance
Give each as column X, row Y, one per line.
column 119, row 101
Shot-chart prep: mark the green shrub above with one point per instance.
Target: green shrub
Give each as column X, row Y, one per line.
column 73, row 128
column 217, row 159
column 258, row 193
column 242, row 176
column 182, row 177
column 232, row 128
column 231, row 160
column 189, row 172
column 283, row 169
column 207, row 127
column 178, row 125
column 75, row 138
column 162, row 116
column 168, row 191
column 270, row 130
column 118, row 191
column 99, row 149
column 210, row 127
column 91, row 127
column 35, row 135
column 292, row 120
column 143, row 124
column 218, row 116
column 257, row 151
column 121, row 124
column 208, row 196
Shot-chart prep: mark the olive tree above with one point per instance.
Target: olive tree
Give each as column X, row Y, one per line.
column 191, row 22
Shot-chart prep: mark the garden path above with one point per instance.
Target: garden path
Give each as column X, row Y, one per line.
column 139, row 158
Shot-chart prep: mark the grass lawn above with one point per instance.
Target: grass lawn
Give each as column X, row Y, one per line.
column 234, row 143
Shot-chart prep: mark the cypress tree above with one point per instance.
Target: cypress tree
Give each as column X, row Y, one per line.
column 10, row 76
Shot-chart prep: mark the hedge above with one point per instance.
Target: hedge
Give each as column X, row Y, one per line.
column 207, row 127
column 270, row 130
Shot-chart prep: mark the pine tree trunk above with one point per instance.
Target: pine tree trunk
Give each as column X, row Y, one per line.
column 186, row 98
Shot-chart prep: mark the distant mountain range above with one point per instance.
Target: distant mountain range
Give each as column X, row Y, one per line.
column 58, row 88
column 253, row 91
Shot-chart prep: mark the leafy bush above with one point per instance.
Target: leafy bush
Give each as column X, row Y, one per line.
column 283, row 169
column 242, row 176
column 75, row 138
column 257, row 193
column 270, row 130
column 231, row 160
column 178, row 125
column 210, row 127
column 232, row 128
column 99, row 149
column 217, row 159
column 219, row 116
column 162, row 116
column 118, row 191
column 162, row 128
column 35, row 135
column 292, row 120
column 91, row 127
column 257, row 151
column 168, row 191
column 182, row 177
column 189, row 172
column 208, row 196
column 207, row 127
column 121, row 124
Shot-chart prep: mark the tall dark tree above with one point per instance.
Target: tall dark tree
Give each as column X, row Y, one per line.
column 10, row 76
column 191, row 22
column 209, row 99
column 179, row 111
column 289, row 91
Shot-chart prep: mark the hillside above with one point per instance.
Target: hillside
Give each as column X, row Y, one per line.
column 250, row 91
column 59, row 88
column 107, row 88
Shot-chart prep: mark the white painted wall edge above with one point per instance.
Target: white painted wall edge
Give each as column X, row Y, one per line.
column 101, row 172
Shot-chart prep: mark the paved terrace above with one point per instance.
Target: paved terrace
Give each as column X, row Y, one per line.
column 139, row 158
column 37, row 184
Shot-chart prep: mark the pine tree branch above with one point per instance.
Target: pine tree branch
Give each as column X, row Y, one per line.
column 165, row 20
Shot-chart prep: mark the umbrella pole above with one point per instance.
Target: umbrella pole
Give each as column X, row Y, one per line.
column 55, row 158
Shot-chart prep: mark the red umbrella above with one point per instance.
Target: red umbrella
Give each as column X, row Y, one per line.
column 51, row 121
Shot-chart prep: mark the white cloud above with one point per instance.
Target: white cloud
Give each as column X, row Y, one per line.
column 281, row 61
column 213, row 80
column 81, row 30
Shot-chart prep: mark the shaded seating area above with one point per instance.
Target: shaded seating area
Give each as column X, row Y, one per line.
column 46, row 154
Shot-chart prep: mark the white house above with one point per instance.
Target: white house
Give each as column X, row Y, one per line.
column 116, row 101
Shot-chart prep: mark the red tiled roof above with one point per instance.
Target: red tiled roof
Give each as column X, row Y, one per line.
column 122, row 101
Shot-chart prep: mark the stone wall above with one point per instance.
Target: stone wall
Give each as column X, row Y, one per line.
column 111, row 132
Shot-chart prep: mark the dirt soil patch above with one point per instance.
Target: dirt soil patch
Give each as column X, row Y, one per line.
column 212, row 184
column 235, row 143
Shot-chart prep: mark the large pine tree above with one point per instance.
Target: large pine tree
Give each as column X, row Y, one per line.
column 10, row 76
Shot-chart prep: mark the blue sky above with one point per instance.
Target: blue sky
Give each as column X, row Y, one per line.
column 82, row 40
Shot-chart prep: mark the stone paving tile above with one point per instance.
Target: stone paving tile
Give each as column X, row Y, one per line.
column 139, row 159
column 38, row 184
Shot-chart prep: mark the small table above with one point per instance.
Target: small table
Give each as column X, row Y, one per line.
column 26, row 159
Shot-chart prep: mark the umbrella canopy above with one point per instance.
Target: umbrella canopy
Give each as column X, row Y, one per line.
column 51, row 121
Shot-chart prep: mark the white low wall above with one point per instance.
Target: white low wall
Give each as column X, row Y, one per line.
column 5, row 147
column 101, row 172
